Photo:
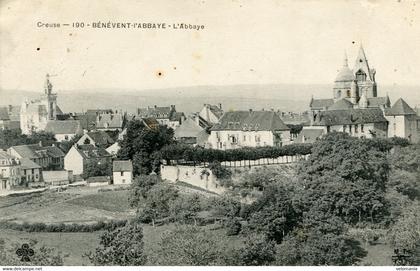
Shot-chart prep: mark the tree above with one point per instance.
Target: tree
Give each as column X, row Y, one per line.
column 97, row 167
column 405, row 233
column 157, row 204
column 185, row 208
column 406, row 183
column 9, row 138
column 257, row 250
column 122, row 246
column 190, row 245
column 140, row 188
column 142, row 144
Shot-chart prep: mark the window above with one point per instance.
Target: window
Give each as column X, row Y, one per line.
column 348, row 93
column 244, row 138
column 66, row 137
column 350, row 129
column 356, row 128
column 33, row 171
column 362, row 128
column 344, row 128
column 122, row 173
column 395, row 127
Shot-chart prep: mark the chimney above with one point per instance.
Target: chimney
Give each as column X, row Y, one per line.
column 220, row 106
column 250, row 110
column 155, row 106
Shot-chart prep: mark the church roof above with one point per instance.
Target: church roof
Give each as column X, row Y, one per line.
column 63, row 127
column 400, row 107
column 341, row 104
column 349, row 116
column 250, row 120
column 362, row 64
column 321, row 103
column 379, row 101
column 187, row 129
column 345, row 75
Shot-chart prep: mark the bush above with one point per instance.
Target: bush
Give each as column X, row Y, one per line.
column 42, row 227
column 233, row 226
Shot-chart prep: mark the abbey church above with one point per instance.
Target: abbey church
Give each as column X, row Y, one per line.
column 355, row 107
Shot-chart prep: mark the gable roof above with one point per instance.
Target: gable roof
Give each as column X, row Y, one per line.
column 109, row 120
column 28, row 164
column 399, row 108
column 35, row 151
column 101, row 138
column 321, row 103
column 63, row 127
column 158, row 112
column 90, row 151
column 250, row 120
column 349, row 116
column 309, row 135
column 341, row 104
column 216, row 110
column 379, row 101
column 177, row 116
column 122, row 165
column 187, row 129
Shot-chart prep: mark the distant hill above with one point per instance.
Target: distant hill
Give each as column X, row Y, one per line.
column 190, row 99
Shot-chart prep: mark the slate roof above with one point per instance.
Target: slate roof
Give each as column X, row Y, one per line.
column 400, row 108
column 350, row 116
column 321, row 103
column 379, row 101
column 64, row 127
column 345, row 75
column 118, row 166
column 36, row 151
column 341, row 104
column 216, row 110
column 177, row 116
column 101, row 138
column 109, row 120
column 310, row 135
column 88, row 121
column 187, row 129
column 89, row 151
column 28, row 164
column 158, row 112
column 5, row 155
column 250, row 120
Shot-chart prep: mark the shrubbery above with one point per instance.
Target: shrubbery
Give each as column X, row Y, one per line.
column 42, row 227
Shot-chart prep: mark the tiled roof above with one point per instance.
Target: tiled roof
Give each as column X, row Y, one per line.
column 321, row 103
column 122, row 166
column 28, row 164
column 250, row 120
column 350, row 116
column 379, row 101
column 151, row 123
column 341, row 104
column 90, row 151
column 101, row 138
column 158, row 112
column 36, row 151
column 217, row 111
column 187, row 129
column 109, row 120
column 310, row 135
column 5, row 155
column 63, row 127
column 399, row 108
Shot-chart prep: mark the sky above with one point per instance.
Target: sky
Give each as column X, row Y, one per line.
column 243, row 42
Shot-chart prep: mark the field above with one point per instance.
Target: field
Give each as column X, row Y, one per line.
column 85, row 205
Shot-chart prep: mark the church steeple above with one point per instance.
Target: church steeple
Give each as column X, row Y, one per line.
column 47, row 86
column 345, row 60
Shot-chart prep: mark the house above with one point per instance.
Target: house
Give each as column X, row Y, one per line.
column 361, row 122
column 122, row 172
column 113, row 149
column 48, row 157
column 403, row 121
column 164, row 115
column 31, row 173
column 64, row 130
column 248, row 129
column 188, row 132
column 110, row 121
column 10, row 175
column 96, row 138
column 80, row 155
column 209, row 115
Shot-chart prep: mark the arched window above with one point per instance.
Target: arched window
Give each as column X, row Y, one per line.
column 348, row 93
column 339, row 94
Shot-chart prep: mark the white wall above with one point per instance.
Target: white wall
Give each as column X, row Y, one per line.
column 191, row 175
column 73, row 161
column 122, row 177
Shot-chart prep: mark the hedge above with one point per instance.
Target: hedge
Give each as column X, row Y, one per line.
column 61, row 227
column 188, row 153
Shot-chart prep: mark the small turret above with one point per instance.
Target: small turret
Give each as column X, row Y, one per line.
column 47, row 86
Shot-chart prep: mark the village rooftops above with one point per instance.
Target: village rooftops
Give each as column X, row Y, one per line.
column 64, row 127
column 89, row 151
column 250, row 121
column 349, row 116
column 36, row 151
column 321, row 103
column 158, row 112
column 101, row 138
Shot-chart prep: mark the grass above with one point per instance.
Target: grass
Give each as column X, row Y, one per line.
column 114, row 201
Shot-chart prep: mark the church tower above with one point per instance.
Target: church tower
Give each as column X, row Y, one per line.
column 364, row 75
column 343, row 83
column 51, row 99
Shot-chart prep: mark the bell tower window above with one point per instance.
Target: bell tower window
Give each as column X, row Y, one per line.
column 360, row 75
